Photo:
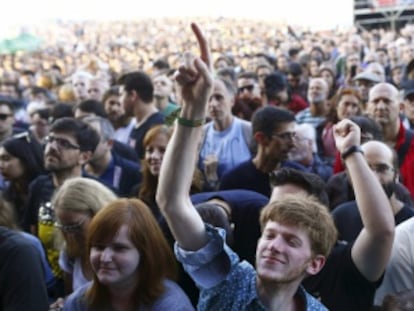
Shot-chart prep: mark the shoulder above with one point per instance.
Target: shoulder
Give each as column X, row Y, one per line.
column 77, row 301
column 172, row 299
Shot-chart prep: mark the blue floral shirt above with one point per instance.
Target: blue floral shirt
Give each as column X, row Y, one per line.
column 226, row 283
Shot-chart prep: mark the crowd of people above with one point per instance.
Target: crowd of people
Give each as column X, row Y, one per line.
column 275, row 163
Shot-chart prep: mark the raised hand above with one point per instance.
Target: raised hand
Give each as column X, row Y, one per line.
column 195, row 78
column 346, row 134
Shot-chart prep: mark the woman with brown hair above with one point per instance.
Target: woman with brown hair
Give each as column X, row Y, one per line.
column 346, row 103
column 133, row 265
column 155, row 142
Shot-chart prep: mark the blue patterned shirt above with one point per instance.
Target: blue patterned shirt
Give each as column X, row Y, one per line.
column 226, row 283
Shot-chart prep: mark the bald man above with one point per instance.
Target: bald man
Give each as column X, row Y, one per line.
column 384, row 107
column 382, row 161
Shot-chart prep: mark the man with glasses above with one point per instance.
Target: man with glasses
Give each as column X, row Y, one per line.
column 274, row 133
column 382, row 161
column 70, row 144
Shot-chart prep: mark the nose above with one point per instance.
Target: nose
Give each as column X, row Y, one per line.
column 277, row 244
column 106, row 255
column 156, row 154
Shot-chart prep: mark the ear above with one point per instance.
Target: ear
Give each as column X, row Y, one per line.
column 84, row 157
column 260, row 138
column 133, row 95
column 316, row 264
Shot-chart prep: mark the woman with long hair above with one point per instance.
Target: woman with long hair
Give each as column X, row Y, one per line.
column 132, row 263
column 155, row 142
column 75, row 204
column 21, row 161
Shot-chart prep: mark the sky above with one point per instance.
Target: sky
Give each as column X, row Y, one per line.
column 317, row 14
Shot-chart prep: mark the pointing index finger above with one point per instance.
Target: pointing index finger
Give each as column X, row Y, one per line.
column 203, row 44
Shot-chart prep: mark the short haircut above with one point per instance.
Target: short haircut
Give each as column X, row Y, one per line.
column 139, row 82
column 7, row 102
column 313, row 184
column 227, row 73
column 229, row 86
column 91, row 106
column 106, row 128
column 248, row 75
column 86, row 137
column 157, row 262
column 307, row 213
column 112, row 91
column 269, row 118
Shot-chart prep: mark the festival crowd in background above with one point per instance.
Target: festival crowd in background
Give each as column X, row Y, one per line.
column 118, row 150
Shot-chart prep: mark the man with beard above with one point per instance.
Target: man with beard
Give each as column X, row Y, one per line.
column 303, row 155
column 70, row 144
column 248, row 98
column 384, row 107
column 318, row 108
column 382, row 162
column 226, row 139
column 291, row 246
column 115, row 112
column 274, row 133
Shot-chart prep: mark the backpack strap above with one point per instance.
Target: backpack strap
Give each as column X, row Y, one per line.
column 402, row 151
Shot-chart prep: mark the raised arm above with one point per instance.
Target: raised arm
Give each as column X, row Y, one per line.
column 195, row 82
column 372, row 248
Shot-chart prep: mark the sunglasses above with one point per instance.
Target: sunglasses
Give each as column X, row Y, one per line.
column 4, row 116
column 61, row 143
column 73, row 228
column 248, row 88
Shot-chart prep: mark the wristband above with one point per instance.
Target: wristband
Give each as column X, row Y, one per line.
column 350, row 151
column 190, row 123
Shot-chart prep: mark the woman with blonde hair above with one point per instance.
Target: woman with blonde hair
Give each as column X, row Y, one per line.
column 133, row 265
column 75, row 204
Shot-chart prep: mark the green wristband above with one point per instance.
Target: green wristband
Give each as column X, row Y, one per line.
column 190, row 123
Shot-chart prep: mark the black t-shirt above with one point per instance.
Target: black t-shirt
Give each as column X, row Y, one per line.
column 22, row 284
column 339, row 285
column 246, row 176
column 349, row 223
column 138, row 133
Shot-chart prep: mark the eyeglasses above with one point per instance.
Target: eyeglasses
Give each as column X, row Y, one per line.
column 61, row 143
column 73, row 228
column 248, row 88
column 381, row 168
column 4, row 116
column 285, row 136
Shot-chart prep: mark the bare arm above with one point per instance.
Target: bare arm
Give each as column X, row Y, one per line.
column 177, row 169
column 372, row 248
